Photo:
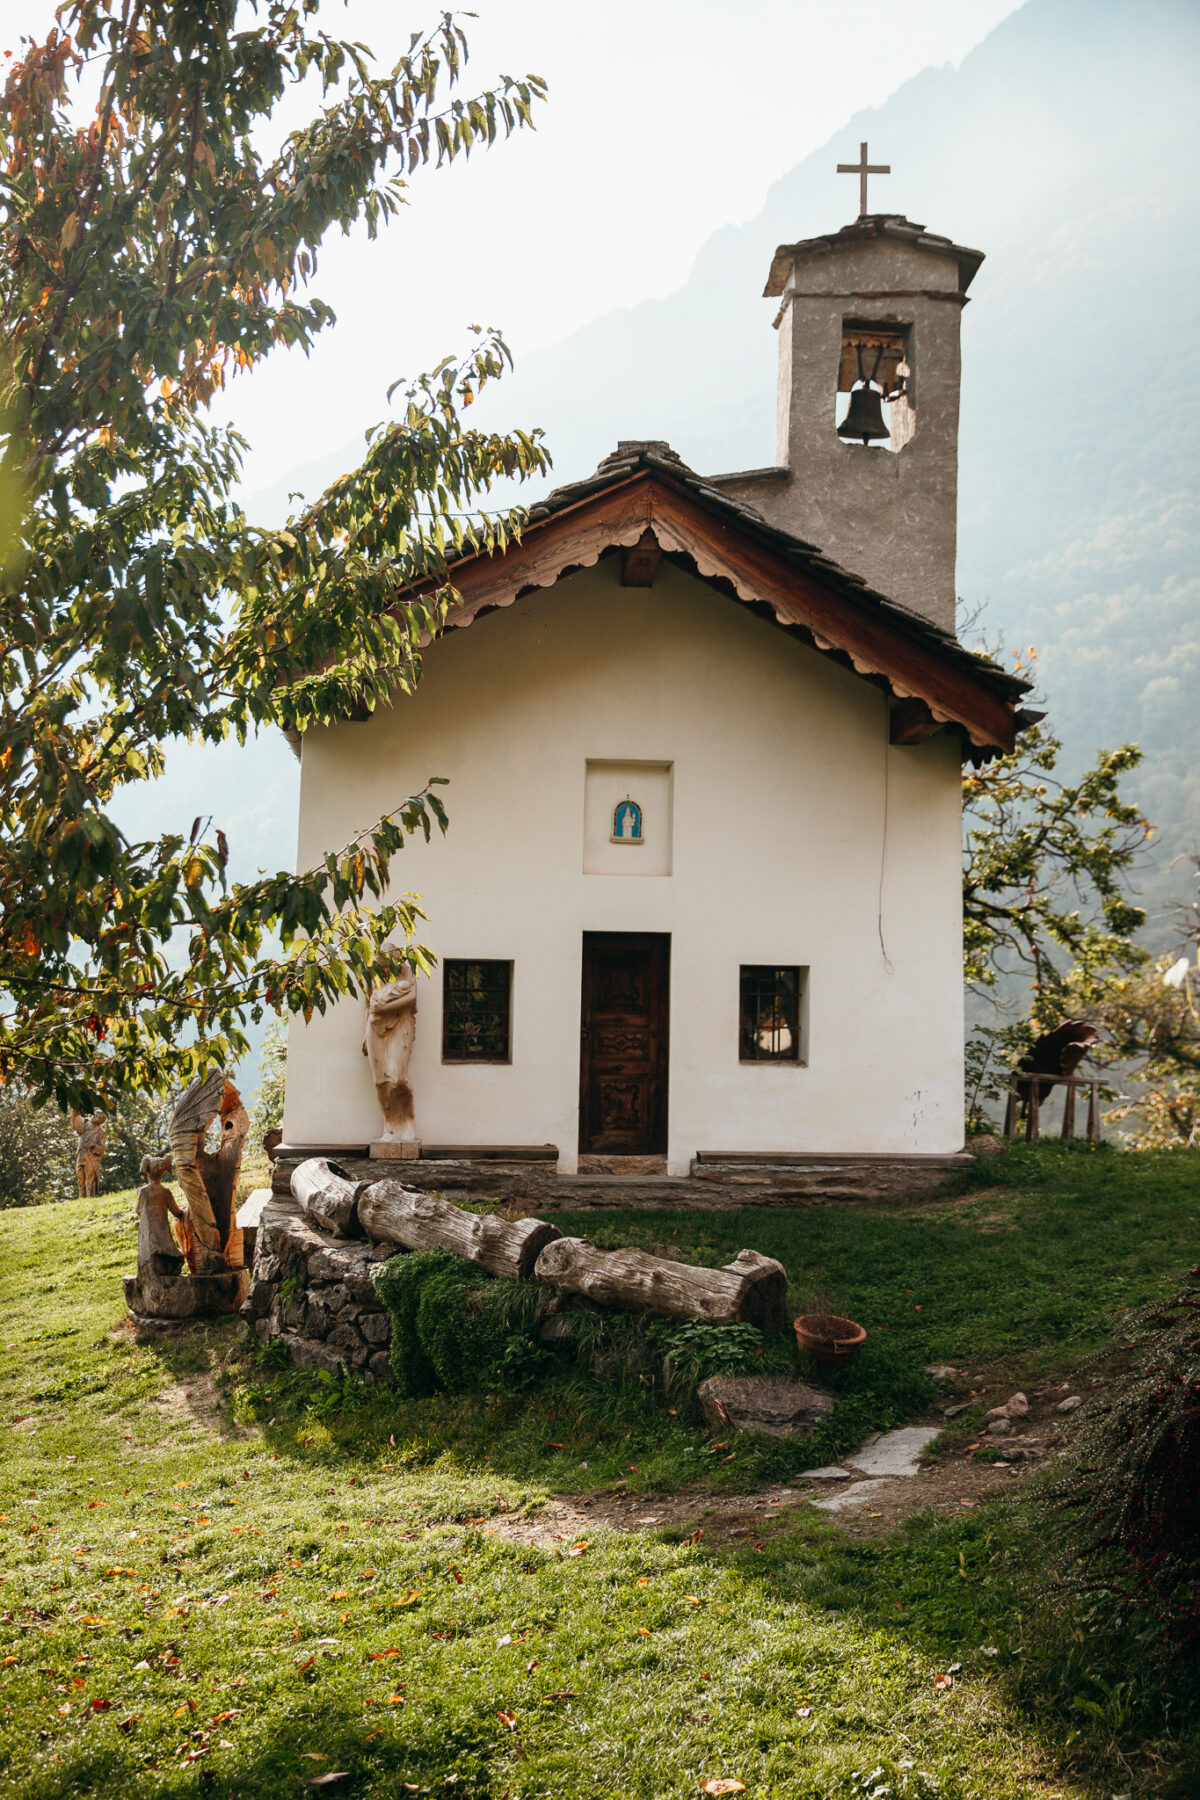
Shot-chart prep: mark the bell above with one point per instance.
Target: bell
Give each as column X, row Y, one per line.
column 865, row 416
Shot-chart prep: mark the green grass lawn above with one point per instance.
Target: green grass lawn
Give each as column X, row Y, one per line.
column 220, row 1578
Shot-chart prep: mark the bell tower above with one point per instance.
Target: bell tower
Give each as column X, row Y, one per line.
column 867, row 405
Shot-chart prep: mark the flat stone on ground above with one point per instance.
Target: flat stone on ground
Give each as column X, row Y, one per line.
column 782, row 1409
column 858, row 1495
column 895, row 1453
column 831, row 1472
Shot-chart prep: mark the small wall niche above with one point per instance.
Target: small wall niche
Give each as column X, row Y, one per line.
column 879, row 353
column 627, row 818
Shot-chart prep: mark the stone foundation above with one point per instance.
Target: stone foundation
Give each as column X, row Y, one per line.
column 315, row 1294
column 714, row 1184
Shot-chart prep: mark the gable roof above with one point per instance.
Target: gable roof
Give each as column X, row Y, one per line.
column 644, row 491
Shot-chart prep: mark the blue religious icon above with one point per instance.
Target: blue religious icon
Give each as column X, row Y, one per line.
column 627, row 823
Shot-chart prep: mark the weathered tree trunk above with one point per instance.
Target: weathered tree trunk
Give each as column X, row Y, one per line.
column 766, row 1303
column 328, row 1196
column 640, row 1283
column 399, row 1215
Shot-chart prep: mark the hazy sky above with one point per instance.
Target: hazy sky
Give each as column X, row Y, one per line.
column 666, row 119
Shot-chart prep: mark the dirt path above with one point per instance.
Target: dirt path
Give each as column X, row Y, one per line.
column 947, row 1487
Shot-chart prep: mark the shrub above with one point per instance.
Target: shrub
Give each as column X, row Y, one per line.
column 455, row 1328
column 1127, row 1503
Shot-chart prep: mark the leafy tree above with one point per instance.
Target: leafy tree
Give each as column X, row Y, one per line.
column 37, row 1151
column 266, row 1110
column 37, row 1146
column 158, row 237
column 1152, row 1028
column 1045, row 865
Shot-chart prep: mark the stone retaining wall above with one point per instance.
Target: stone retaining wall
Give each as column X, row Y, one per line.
column 314, row 1293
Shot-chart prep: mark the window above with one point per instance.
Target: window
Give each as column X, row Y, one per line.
column 477, row 1012
column 769, row 1017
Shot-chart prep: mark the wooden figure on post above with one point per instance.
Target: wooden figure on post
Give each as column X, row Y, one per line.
column 158, row 1253
column 209, row 1235
column 89, row 1153
column 391, row 1027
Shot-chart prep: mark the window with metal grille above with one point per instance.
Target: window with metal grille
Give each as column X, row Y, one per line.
column 477, row 1012
column 769, row 1016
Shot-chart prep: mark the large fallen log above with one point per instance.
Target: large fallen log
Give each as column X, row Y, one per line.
column 750, row 1289
column 328, row 1195
column 395, row 1214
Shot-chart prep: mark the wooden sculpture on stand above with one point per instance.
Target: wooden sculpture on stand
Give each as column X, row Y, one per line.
column 391, row 1026
column 158, row 1252
column 210, row 1237
column 89, row 1153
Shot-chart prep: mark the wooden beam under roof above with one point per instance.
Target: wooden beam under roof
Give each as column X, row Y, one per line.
column 832, row 612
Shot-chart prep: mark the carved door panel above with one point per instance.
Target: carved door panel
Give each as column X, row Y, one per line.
column 623, row 1043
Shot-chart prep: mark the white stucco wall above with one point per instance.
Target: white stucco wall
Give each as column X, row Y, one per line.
column 781, row 773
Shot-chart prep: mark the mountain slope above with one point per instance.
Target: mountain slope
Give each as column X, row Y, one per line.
column 1063, row 146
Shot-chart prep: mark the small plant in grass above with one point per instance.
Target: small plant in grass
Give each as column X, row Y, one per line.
column 693, row 1351
column 1128, row 1500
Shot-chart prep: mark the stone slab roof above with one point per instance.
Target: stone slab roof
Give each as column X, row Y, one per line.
column 871, row 225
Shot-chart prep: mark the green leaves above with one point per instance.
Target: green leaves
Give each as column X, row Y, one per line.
column 152, row 250
column 1045, row 865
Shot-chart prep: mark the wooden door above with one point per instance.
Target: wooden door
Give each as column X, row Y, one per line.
column 623, row 1043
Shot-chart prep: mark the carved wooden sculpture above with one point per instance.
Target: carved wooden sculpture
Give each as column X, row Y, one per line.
column 1057, row 1052
column 209, row 1235
column 89, row 1153
column 387, row 1044
column 209, row 1177
column 158, row 1253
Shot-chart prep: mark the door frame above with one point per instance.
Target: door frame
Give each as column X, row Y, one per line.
column 658, row 944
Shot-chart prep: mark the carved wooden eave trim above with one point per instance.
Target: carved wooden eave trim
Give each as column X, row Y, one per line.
column 832, row 612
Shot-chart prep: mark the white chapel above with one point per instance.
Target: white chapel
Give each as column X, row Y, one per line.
column 699, row 900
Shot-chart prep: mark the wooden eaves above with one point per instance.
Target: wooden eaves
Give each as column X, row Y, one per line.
column 938, row 682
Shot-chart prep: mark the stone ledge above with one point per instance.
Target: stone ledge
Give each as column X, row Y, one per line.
column 711, row 1185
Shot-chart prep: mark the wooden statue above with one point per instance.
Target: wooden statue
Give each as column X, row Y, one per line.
column 89, row 1153
column 387, row 1044
column 209, row 1177
column 157, row 1251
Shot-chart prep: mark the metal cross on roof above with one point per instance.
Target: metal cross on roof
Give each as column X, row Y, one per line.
column 862, row 168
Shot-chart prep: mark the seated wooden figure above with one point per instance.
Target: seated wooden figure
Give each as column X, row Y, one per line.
column 157, row 1251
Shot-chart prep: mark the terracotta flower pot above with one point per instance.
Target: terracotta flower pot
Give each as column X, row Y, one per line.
column 829, row 1338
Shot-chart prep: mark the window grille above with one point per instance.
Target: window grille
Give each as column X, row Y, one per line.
column 769, row 1021
column 477, row 1012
